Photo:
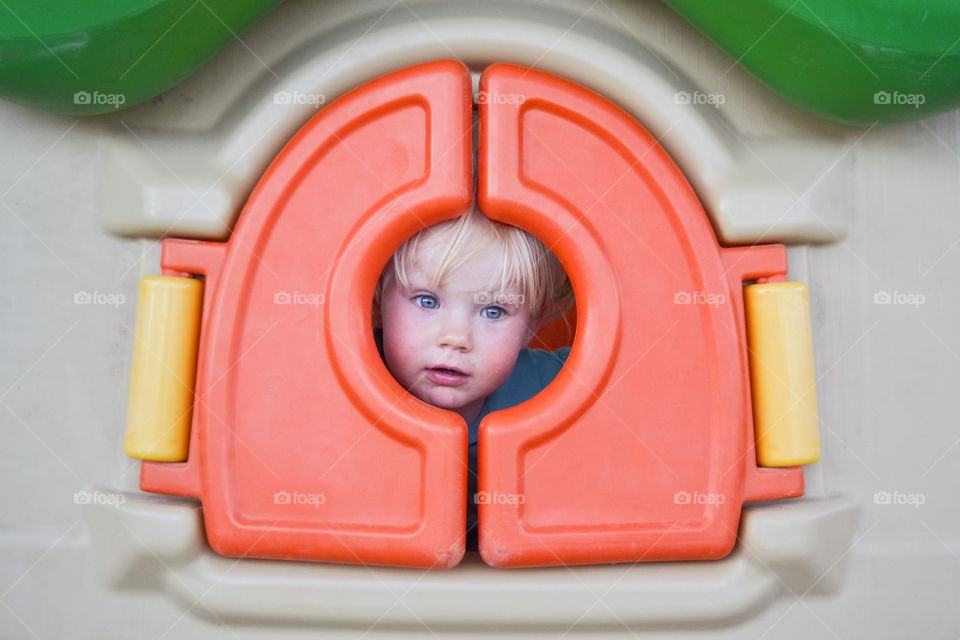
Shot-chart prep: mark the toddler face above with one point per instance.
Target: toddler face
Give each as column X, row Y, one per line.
column 454, row 345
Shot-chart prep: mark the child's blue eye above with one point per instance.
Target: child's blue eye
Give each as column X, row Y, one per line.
column 426, row 302
column 498, row 312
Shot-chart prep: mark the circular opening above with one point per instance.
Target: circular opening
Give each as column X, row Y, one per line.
column 459, row 301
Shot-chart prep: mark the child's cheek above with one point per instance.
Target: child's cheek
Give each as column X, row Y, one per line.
column 417, row 339
column 409, row 335
column 502, row 360
column 399, row 345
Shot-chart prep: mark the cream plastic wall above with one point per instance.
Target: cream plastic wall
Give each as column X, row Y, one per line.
column 871, row 216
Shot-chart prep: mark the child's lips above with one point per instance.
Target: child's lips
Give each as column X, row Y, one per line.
column 447, row 376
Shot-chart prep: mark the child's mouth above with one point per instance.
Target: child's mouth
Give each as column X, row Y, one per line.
column 446, row 377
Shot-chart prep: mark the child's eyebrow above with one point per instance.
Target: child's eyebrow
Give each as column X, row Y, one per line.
column 416, row 284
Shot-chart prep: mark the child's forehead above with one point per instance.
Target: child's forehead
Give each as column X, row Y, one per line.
column 473, row 253
column 480, row 271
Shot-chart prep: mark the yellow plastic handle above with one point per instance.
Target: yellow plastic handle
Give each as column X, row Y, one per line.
column 164, row 368
column 782, row 376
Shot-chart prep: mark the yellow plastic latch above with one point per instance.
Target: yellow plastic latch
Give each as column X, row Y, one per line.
column 164, row 368
column 782, row 376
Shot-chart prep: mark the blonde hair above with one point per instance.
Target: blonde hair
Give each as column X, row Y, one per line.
column 526, row 265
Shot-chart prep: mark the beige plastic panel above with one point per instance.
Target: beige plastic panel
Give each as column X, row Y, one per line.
column 872, row 551
column 158, row 179
column 149, row 543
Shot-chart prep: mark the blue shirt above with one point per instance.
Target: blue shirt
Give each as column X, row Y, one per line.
column 533, row 371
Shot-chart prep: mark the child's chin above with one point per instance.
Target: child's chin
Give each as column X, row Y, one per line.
column 446, row 398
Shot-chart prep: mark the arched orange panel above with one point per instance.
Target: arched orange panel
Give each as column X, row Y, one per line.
column 303, row 446
column 642, row 447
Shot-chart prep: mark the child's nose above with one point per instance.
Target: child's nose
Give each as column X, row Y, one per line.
column 455, row 334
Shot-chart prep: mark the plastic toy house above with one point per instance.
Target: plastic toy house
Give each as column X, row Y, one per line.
column 300, row 444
